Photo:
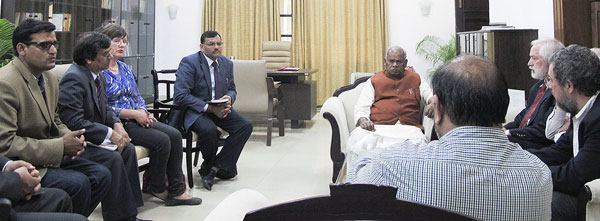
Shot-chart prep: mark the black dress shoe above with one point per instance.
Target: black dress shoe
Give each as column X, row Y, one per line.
column 225, row 175
column 208, row 179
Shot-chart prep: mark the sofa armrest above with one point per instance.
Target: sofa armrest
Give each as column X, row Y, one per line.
column 588, row 202
column 333, row 111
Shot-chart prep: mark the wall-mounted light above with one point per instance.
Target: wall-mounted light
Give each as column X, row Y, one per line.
column 173, row 11
column 425, row 6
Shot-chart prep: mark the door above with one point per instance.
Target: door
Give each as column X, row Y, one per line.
column 471, row 14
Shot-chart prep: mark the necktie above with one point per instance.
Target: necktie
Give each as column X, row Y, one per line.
column 533, row 106
column 41, row 84
column 98, row 90
column 218, row 88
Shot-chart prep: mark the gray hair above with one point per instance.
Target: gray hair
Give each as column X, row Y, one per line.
column 395, row 49
column 548, row 47
column 578, row 65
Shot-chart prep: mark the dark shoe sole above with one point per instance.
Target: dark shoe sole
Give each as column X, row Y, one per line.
column 189, row 202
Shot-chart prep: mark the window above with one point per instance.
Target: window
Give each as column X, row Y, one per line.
column 286, row 19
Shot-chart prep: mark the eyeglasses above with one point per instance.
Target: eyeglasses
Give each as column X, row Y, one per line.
column 119, row 41
column 44, row 45
column 211, row 44
column 548, row 82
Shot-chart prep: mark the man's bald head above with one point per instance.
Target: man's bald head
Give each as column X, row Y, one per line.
column 472, row 91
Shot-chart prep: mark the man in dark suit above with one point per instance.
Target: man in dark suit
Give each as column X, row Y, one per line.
column 202, row 77
column 20, row 183
column 30, row 128
column 574, row 77
column 528, row 128
column 82, row 105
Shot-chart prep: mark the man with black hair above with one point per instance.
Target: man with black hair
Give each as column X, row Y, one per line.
column 574, row 77
column 82, row 105
column 473, row 168
column 30, row 128
column 201, row 77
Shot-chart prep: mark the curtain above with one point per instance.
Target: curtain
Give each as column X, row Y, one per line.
column 338, row 37
column 243, row 25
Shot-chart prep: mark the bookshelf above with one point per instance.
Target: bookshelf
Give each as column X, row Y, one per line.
column 507, row 48
column 73, row 17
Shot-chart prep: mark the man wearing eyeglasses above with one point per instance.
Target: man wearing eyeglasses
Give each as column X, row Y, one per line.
column 30, row 128
column 83, row 105
column 528, row 129
column 201, row 77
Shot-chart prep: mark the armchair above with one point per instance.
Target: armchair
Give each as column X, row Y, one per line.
column 339, row 111
column 256, row 94
column 278, row 54
column 173, row 115
column 589, row 201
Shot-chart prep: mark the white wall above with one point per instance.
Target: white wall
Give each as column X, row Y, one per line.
column 177, row 38
column 407, row 26
column 535, row 14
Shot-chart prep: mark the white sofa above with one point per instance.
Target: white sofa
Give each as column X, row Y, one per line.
column 339, row 111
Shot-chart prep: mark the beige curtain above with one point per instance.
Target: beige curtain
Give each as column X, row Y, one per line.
column 338, row 37
column 243, row 25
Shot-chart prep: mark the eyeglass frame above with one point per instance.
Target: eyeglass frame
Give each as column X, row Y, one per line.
column 43, row 45
column 120, row 42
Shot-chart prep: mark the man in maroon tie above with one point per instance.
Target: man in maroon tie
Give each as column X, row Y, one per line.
column 528, row 127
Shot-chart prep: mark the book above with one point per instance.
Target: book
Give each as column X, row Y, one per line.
column 288, row 69
column 105, row 145
column 218, row 101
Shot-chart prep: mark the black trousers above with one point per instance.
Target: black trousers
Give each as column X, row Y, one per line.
column 52, row 204
column 87, row 182
column 166, row 154
column 239, row 129
column 124, row 194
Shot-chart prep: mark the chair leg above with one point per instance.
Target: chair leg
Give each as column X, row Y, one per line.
column 269, row 130
column 188, row 162
column 196, row 158
column 281, row 120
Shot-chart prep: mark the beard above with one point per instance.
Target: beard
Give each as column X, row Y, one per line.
column 537, row 74
column 568, row 105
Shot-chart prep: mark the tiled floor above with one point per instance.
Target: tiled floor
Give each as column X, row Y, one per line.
column 295, row 166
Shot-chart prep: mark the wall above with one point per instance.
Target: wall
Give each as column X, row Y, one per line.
column 180, row 37
column 407, row 26
column 535, row 14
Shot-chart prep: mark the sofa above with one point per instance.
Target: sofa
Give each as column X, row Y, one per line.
column 339, row 111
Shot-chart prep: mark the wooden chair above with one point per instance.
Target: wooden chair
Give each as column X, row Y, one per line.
column 173, row 115
column 355, row 202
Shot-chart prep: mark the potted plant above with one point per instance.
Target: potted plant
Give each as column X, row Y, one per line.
column 436, row 51
column 6, row 49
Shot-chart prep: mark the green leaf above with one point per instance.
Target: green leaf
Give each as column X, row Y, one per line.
column 438, row 53
column 6, row 49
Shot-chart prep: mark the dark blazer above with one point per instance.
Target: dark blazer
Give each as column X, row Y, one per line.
column 10, row 183
column 535, row 130
column 193, row 84
column 78, row 104
column 569, row 173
